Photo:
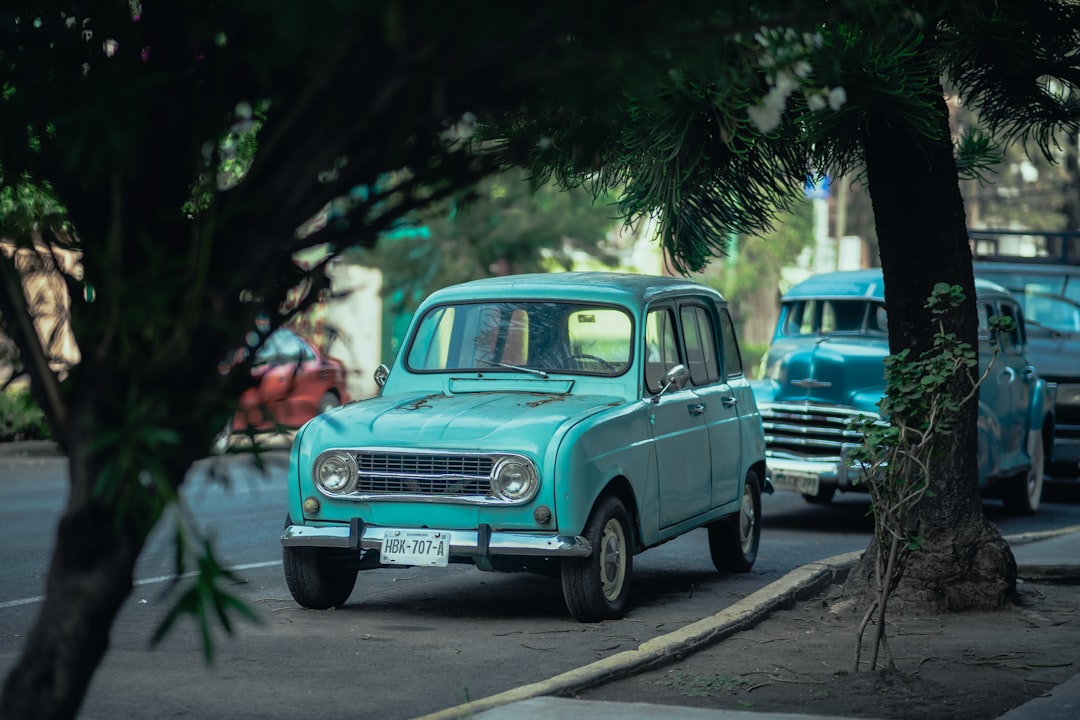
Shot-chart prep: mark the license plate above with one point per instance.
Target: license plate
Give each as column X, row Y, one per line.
column 805, row 483
column 416, row 547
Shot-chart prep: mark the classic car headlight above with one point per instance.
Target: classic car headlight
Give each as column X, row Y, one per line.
column 1068, row 394
column 514, row 479
column 335, row 472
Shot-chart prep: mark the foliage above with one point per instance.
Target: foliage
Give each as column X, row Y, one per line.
column 900, row 453
column 20, row 417
column 505, row 225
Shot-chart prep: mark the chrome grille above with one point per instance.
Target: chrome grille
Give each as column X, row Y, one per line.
column 812, row 432
column 425, row 474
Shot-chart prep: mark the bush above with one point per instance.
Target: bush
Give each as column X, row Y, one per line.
column 20, row 417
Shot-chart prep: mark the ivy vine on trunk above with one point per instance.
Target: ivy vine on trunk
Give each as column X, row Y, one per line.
column 900, row 451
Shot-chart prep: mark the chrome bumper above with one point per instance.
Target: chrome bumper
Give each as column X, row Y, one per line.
column 480, row 542
column 784, row 472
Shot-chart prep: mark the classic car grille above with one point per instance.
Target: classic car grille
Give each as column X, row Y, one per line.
column 809, row 431
column 424, row 474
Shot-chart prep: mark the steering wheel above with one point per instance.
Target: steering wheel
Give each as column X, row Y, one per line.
column 604, row 364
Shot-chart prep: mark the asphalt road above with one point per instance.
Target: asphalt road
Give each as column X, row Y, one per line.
column 410, row 641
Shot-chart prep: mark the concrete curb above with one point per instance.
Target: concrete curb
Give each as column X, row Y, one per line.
column 798, row 584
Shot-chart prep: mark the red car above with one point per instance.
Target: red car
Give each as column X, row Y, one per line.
column 296, row 382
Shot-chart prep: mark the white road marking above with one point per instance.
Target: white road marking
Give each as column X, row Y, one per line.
column 144, row 581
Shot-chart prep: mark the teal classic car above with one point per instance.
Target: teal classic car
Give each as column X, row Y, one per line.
column 557, row 423
column 824, row 368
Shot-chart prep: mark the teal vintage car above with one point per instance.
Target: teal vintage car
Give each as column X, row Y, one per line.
column 824, row 367
column 558, row 423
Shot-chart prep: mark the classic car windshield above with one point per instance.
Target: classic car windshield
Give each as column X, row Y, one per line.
column 513, row 336
column 815, row 316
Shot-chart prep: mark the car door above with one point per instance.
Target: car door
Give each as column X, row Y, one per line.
column 1004, row 395
column 699, row 322
column 677, row 423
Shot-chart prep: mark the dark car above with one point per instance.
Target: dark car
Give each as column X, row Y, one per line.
column 296, row 382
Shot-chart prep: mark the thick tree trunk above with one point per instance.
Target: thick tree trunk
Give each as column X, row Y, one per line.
column 963, row 563
column 90, row 576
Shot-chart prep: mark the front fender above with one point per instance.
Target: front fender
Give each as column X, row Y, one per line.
column 594, row 452
column 1043, row 399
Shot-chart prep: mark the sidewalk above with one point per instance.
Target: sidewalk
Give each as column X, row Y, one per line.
column 1053, row 555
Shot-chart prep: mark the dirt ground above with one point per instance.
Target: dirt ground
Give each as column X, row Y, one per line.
column 967, row 666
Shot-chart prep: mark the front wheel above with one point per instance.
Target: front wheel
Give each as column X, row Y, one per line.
column 316, row 577
column 734, row 540
column 598, row 587
column 1023, row 493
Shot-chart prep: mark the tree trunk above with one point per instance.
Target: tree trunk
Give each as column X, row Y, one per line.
column 89, row 578
column 963, row 563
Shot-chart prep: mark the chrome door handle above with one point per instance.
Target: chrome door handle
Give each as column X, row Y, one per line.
column 696, row 409
column 729, row 401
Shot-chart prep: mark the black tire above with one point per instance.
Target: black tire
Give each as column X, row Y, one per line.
column 317, row 577
column 1023, row 491
column 327, row 401
column 598, row 587
column 823, row 496
column 734, row 540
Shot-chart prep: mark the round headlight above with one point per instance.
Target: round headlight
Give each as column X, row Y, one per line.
column 514, row 479
column 335, row 473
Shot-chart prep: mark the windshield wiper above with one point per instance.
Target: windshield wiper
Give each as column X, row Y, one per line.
column 508, row 366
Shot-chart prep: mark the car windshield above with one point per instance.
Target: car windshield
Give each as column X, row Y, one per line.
column 816, row 316
column 538, row 337
column 1048, row 301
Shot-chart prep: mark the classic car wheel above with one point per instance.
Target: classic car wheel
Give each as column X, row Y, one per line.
column 1023, row 491
column 733, row 541
column 598, row 587
column 316, row 578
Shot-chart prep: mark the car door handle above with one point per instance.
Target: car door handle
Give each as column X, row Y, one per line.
column 696, row 408
column 729, row 401
column 1029, row 372
column 1006, row 376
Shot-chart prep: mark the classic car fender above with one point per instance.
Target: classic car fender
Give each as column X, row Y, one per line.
column 597, row 451
column 1043, row 399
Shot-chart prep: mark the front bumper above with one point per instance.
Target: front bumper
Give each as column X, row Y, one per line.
column 478, row 543
column 810, row 476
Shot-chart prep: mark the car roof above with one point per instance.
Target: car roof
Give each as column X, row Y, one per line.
column 612, row 287
column 868, row 284
column 1027, row 268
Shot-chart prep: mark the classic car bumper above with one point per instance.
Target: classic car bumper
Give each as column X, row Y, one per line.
column 809, row 476
column 479, row 542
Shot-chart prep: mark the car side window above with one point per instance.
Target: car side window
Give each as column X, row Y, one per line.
column 700, row 341
column 732, row 360
column 661, row 350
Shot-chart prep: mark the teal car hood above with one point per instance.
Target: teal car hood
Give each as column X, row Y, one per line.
column 831, row 370
column 489, row 420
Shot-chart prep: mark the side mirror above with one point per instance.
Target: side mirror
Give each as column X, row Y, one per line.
column 675, row 378
column 381, row 373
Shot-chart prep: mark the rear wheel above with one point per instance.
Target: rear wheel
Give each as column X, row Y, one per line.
column 598, row 587
column 1023, row 491
column 318, row 578
column 734, row 540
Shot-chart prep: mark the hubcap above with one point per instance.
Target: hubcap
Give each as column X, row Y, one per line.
column 612, row 559
column 747, row 521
